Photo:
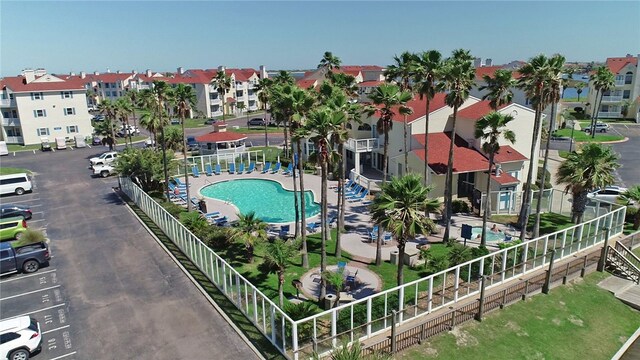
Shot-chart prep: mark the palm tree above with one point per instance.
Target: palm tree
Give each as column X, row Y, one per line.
column 632, row 195
column 262, row 89
column 579, row 85
column 322, row 124
column 108, row 109
column 280, row 102
column 428, row 64
column 124, row 108
column 251, row 230
column 499, row 88
column 329, row 62
column 603, row 80
column 162, row 95
column 388, row 96
column 591, row 168
column 279, row 255
column 534, row 75
column 403, row 72
column 222, row 82
column 458, row 77
column 490, row 129
column 185, row 99
column 134, row 96
column 400, row 208
column 552, row 95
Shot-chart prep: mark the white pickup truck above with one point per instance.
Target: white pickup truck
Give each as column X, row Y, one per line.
column 103, row 170
column 106, row 158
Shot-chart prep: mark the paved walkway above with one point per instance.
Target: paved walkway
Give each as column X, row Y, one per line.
column 366, row 283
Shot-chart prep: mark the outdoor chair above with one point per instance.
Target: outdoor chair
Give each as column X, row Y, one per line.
column 352, row 279
column 358, row 197
column 276, row 169
column 341, row 266
column 252, row 166
column 386, row 238
column 267, row 167
column 217, row 170
column 346, row 186
column 175, row 190
column 373, row 233
column 232, row 168
column 355, row 191
column 289, row 170
column 241, row 169
column 213, row 214
column 195, row 171
column 208, row 170
column 284, row 231
column 313, row 227
column 180, row 183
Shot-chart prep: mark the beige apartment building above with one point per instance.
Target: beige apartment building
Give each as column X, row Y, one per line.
column 623, row 100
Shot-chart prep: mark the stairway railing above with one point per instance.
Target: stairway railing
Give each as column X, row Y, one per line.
column 616, row 260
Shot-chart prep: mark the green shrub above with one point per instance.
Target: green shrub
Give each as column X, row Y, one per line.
column 174, row 209
column 631, row 214
column 30, row 236
column 460, row 206
column 547, row 179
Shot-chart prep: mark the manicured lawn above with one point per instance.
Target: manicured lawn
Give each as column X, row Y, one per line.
column 549, row 222
column 581, row 136
column 271, row 153
column 193, row 123
column 9, row 170
column 578, row 321
column 15, row 147
column 256, row 130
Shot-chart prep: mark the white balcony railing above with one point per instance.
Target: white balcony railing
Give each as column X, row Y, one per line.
column 7, row 102
column 10, row 122
column 15, row 140
column 619, row 83
column 612, row 98
column 362, row 145
column 609, row 114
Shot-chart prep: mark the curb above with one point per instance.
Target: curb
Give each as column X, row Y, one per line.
column 604, row 142
column 194, row 281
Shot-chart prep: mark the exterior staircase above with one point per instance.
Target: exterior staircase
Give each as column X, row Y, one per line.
column 626, row 266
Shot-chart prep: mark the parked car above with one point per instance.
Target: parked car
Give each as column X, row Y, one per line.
column 11, row 210
column 4, row 150
column 12, row 228
column 128, row 130
column 105, row 158
column 210, row 121
column 21, row 337
column 98, row 117
column 45, row 145
column 599, row 127
column 28, row 258
column 608, row 194
column 256, row 122
column 96, row 141
column 149, row 143
column 103, row 170
column 175, row 122
column 192, row 144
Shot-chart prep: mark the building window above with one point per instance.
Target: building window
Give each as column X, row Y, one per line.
column 120, row 93
column 5, row 114
column 43, row 131
column 628, row 78
column 72, row 129
column 106, row 86
column 364, row 127
column 37, row 96
column 70, row 111
column 14, row 131
column 66, row 94
column 114, row 94
column 40, row 113
column 626, row 94
column 10, row 96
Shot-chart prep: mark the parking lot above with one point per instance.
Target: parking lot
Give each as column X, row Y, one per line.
column 110, row 291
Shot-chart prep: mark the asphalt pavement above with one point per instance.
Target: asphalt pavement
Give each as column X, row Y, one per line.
column 120, row 294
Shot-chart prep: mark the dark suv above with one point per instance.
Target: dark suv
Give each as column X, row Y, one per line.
column 255, row 122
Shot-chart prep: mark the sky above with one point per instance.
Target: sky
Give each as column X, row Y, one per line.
column 74, row 36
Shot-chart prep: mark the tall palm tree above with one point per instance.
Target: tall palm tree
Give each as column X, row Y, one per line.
column 603, row 80
column 282, row 87
column 322, row 124
column 162, row 95
column 134, row 96
column 632, row 195
column 108, row 109
column 403, row 71
column 222, row 82
column 124, row 108
column 185, row 100
column 500, row 88
column 279, row 255
column 388, row 97
column 329, row 62
column 428, row 64
column 593, row 167
column 262, row 89
column 552, row 95
column 400, row 208
column 534, row 76
column 490, row 129
column 458, row 77
column 579, row 85
column 251, row 230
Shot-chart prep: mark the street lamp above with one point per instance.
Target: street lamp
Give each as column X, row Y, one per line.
column 573, row 127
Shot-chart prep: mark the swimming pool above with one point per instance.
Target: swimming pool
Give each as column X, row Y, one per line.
column 491, row 235
column 267, row 198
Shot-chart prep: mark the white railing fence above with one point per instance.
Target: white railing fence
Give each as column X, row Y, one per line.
column 224, row 159
column 267, row 317
column 367, row 317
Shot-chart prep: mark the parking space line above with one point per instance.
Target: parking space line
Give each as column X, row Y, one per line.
column 56, row 329
column 64, row 356
column 25, row 201
column 32, row 221
column 26, row 276
column 30, row 292
column 37, row 311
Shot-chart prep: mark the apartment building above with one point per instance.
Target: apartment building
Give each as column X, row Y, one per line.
column 36, row 104
column 367, row 77
column 623, row 100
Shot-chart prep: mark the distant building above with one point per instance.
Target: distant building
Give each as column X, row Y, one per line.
column 623, row 100
column 36, row 104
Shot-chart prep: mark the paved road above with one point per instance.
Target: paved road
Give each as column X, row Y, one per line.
column 629, row 172
column 125, row 296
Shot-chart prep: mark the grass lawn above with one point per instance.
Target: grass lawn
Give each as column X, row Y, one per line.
column 563, row 154
column 549, row 222
column 16, row 147
column 256, row 130
column 578, row 321
column 9, row 170
column 581, row 136
column 271, row 153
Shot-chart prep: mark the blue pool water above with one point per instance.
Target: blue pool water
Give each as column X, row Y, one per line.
column 491, row 236
column 267, row 198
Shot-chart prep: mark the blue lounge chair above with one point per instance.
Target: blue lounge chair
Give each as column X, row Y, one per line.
column 313, row 227
column 217, row 170
column 352, row 279
column 232, row 168
column 208, row 170
column 356, row 190
column 267, row 167
column 341, row 266
column 195, row 171
column 252, row 166
column 358, row 197
column 276, row 169
column 179, row 183
column 284, row 231
column 289, row 170
column 195, row 202
column 213, row 214
column 241, row 169
column 173, row 189
column 373, row 233
column 386, row 238
column 346, row 186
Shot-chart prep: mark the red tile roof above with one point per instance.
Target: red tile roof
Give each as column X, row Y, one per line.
column 618, row 63
column 465, row 159
column 109, row 77
column 241, row 74
column 305, row 84
column 371, row 83
column 17, row 84
column 508, row 154
column 418, row 107
column 362, row 67
column 504, row 178
column 215, row 137
column 477, row 111
column 352, row 72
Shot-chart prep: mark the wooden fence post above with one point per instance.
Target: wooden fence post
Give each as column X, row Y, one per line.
column 566, row 275
column 483, row 282
column 603, row 256
column 583, row 271
column 394, row 345
column 547, row 280
column 526, row 290
column 504, row 298
column 453, row 318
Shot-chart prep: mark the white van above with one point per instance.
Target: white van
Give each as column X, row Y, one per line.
column 3, row 148
column 15, row 184
column 61, row 143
